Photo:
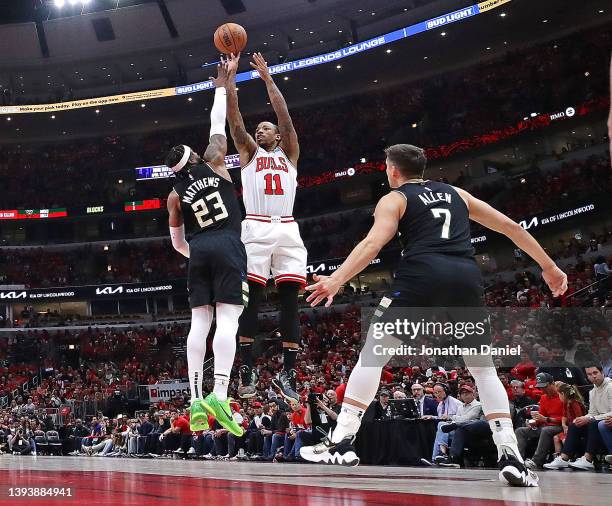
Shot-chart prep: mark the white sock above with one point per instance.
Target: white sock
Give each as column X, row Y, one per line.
column 201, row 320
column 348, row 423
column 221, row 384
column 504, row 437
column 224, row 346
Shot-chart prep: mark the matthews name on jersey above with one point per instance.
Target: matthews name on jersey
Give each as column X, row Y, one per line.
column 208, row 201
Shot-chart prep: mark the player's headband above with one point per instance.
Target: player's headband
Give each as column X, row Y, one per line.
column 183, row 161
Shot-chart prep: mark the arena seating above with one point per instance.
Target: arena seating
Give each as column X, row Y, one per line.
column 444, row 109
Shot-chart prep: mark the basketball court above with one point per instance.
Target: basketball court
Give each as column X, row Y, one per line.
column 131, row 481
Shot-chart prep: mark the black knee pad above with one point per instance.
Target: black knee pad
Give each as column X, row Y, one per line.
column 289, row 320
column 247, row 326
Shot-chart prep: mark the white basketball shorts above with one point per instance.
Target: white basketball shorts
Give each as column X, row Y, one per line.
column 273, row 245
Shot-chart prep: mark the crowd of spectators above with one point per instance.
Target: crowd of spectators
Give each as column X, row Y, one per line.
column 445, row 108
column 553, row 342
column 327, row 236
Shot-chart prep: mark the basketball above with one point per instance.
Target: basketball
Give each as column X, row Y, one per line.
column 230, row 38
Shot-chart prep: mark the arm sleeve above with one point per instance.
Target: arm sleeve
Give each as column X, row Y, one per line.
column 218, row 113
column 177, row 234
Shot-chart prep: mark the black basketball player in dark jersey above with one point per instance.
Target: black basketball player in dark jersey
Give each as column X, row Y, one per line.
column 437, row 269
column 203, row 203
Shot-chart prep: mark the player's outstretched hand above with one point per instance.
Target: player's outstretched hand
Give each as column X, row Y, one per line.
column 232, row 63
column 324, row 288
column 556, row 280
column 261, row 66
column 222, row 74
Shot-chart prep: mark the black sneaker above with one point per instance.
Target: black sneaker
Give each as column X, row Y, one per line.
column 514, row 472
column 447, row 461
column 448, row 427
column 326, row 452
column 246, row 390
column 285, row 382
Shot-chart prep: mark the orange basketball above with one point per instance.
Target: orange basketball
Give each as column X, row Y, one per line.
column 230, row 38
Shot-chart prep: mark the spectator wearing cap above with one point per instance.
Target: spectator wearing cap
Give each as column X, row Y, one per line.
column 427, row 406
column 382, row 409
column 470, row 409
column 545, row 424
column 590, row 428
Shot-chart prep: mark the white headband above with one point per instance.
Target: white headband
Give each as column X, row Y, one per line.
column 183, row 160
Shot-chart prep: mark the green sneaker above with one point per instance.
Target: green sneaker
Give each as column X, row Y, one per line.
column 222, row 413
column 198, row 418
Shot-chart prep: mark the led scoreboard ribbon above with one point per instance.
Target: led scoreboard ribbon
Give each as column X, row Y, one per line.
column 402, row 33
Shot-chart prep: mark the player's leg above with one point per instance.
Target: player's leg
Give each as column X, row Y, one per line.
column 289, row 271
column 288, row 292
column 230, row 296
column 496, row 408
column 224, row 349
column 247, row 329
column 200, row 287
column 258, row 246
column 461, row 291
column 360, row 392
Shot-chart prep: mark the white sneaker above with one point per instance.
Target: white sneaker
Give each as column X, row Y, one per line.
column 208, row 456
column 191, row 451
column 179, row 450
column 530, row 464
column 609, row 459
column 558, row 463
column 583, row 464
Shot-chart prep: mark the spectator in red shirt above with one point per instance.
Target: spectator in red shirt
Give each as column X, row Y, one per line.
column 524, row 369
column 545, row 423
column 573, row 407
column 178, row 437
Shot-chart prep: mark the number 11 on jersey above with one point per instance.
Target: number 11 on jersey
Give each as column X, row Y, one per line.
column 273, row 185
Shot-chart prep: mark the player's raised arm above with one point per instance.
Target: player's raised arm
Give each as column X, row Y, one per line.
column 483, row 213
column 217, row 146
column 244, row 142
column 177, row 225
column 289, row 139
column 387, row 215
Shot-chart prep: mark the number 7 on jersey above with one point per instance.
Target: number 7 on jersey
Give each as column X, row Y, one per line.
column 446, row 214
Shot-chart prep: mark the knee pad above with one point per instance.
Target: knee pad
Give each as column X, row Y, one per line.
column 248, row 318
column 289, row 320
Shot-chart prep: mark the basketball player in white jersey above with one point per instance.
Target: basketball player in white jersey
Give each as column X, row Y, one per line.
column 270, row 234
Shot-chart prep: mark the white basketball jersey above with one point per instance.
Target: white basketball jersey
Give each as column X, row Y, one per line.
column 269, row 182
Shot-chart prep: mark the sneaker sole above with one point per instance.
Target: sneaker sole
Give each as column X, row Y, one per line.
column 513, row 477
column 223, row 423
column 349, row 459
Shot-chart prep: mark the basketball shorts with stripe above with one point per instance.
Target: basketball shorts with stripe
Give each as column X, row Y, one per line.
column 274, row 249
column 217, row 269
column 438, row 288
